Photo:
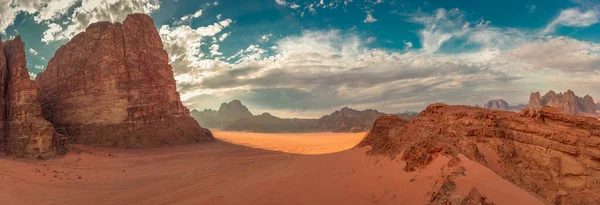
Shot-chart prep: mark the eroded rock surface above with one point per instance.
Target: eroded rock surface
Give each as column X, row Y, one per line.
column 548, row 152
column 567, row 101
column 112, row 86
column 24, row 131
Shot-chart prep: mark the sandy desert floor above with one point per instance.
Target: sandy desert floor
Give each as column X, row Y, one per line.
column 225, row 173
column 297, row 143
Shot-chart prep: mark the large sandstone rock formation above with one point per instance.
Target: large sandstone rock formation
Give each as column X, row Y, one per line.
column 112, row 86
column 567, row 101
column 227, row 113
column 548, row 152
column 23, row 130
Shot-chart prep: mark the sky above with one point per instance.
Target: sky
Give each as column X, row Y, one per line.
column 295, row 58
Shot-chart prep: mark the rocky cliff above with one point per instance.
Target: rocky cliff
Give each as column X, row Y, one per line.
column 227, row 113
column 23, row 130
column 112, row 86
column 548, row 152
column 567, row 101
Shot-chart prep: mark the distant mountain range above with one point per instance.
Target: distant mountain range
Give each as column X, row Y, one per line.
column 234, row 116
column 567, row 101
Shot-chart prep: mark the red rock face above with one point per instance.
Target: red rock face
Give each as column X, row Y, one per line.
column 550, row 153
column 25, row 133
column 112, row 86
column 568, row 101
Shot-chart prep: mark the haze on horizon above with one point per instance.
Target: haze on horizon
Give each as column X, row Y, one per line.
column 307, row 58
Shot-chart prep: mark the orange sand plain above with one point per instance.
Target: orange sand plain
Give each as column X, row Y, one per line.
column 297, row 143
column 224, row 173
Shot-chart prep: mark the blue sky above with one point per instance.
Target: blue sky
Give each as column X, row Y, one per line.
column 306, row 58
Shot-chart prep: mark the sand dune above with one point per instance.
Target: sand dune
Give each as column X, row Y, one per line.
column 223, row 173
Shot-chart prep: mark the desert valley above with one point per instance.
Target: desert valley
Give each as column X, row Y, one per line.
column 104, row 124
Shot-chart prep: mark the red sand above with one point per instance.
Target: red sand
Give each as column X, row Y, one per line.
column 222, row 173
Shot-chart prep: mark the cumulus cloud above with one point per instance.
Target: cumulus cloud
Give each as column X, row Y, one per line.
column 192, row 16
column 33, row 52
column 573, row 17
column 91, row 11
column 42, row 10
column 370, row 18
column 183, row 43
column 281, row 2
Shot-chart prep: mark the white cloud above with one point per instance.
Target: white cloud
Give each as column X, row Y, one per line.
column 91, row 11
column 183, row 43
column 224, row 36
column 294, row 6
column 52, row 33
column 39, row 67
column 33, row 52
column 192, row 16
column 281, row 2
column 32, row 75
column 42, row 10
column 265, row 38
column 219, row 17
column 370, row 18
column 573, row 17
column 214, row 50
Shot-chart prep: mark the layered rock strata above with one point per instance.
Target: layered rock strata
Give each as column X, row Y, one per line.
column 24, row 131
column 112, row 86
column 548, row 152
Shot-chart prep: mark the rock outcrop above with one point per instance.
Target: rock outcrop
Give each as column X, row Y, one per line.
column 349, row 120
column 548, row 152
column 23, row 130
column 500, row 104
column 227, row 113
column 112, row 86
column 567, row 101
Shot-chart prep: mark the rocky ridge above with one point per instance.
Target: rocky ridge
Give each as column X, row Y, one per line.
column 112, row 86
column 548, row 152
column 566, row 101
column 23, row 130
column 343, row 120
column 227, row 113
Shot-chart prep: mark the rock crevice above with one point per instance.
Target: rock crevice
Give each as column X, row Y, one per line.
column 25, row 133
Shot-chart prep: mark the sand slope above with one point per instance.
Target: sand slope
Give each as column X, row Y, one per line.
column 222, row 173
